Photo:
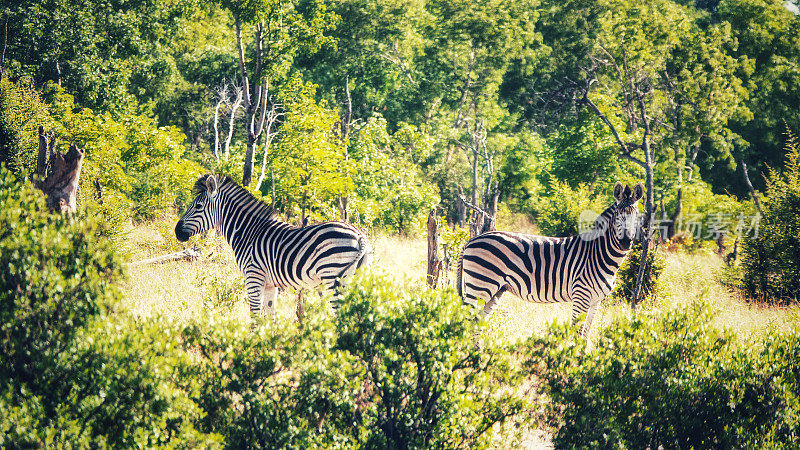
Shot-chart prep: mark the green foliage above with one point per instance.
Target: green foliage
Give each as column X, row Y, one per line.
column 308, row 158
column 425, row 383
column 56, row 276
column 453, row 240
column 70, row 373
column 133, row 168
column 629, row 270
column 389, row 192
column 222, row 292
column 115, row 56
column 669, row 379
column 770, row 259
column 21, row 113
column 584, row 152
column 277, row 386
column 564, row 211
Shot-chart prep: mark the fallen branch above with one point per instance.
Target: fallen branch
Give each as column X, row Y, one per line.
column 190, row 254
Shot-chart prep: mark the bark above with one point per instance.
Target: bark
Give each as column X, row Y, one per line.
column 216, row 129
column 346, row 120
column 647, row 226
column 434, row 263
column 255, row 100
column 59, row 174
column 752, row 191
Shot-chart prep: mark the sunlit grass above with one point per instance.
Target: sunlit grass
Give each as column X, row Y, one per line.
column 175, row 289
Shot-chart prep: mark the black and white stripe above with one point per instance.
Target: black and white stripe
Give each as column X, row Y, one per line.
column 273, row 254
column 581, row 268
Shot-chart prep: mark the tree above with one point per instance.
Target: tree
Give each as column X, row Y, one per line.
column 659, row 94
column 281, row 29
column 767, row 35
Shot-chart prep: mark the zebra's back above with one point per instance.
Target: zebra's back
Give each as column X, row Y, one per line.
column 310, row 256
column 534, row 268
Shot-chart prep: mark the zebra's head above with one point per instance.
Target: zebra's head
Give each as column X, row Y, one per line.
column 199, row 216
column 626, row 219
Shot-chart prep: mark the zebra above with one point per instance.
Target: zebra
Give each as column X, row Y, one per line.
column 581, row 268
column 270, row 253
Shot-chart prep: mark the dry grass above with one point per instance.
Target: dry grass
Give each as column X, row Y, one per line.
column 180, row 290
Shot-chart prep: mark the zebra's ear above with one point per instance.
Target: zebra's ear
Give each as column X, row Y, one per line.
column 638, row 192
column 618, row 191
column 211, row 185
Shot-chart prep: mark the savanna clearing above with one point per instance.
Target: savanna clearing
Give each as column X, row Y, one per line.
column 213, row 286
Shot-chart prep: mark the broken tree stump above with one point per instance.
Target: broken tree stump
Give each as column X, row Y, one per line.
column 434, row 263
column 59, row 174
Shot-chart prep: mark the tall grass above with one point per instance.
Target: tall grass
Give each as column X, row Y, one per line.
column 182, row 290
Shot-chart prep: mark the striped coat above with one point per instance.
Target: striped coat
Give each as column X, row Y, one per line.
column 581, row 269
column 273, row 254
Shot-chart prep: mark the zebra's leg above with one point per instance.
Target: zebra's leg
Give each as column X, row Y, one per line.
column 584, row 302
column 255, row 289
column 590, row 315
column 581, row 303
column 492, row 303
column 270, row 298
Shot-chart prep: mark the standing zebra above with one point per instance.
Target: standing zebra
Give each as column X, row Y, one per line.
column 542, row 269
column 272, row 254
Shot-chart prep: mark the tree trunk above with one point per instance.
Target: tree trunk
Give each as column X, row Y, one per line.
column 59, row 174
column 461, row 209
column 647, row 226
column 752, row 191
column 434, row 264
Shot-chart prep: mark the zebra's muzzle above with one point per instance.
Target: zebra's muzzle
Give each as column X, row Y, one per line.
column 180, row 234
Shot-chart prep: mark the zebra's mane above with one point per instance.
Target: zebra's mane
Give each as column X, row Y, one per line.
column 265, row 211
column 603, row 222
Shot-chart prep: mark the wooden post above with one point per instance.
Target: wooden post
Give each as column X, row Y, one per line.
column 434, row 263
column 300, row 309
column 60, row 173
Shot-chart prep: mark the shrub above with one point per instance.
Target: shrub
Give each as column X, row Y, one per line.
column 560, row 213
column 424, row 382
column 57, row 275
column 669, row 380
column 71, row 374
column 21, row 113
column 629, row 270
column 770, row 260
column 278, row 386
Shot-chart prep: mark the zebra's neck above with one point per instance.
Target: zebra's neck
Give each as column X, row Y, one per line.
column 604, row 237
column 239, row 213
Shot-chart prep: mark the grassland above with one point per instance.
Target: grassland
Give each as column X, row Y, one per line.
column 212, row 285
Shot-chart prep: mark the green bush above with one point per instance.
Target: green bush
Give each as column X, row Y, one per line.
column 424, row 382
column 277, row 386
column 21, row 113
column 629, row 270
column 71, row 374
column 560, row 213
column 389, row 192
column 669, row 380
column 770, row 260
column 395, row 370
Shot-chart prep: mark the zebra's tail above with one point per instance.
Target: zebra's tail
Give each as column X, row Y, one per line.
column 364, row 257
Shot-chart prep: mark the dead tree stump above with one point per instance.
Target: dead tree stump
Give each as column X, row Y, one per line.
column 434, row 263
column 59, row 174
